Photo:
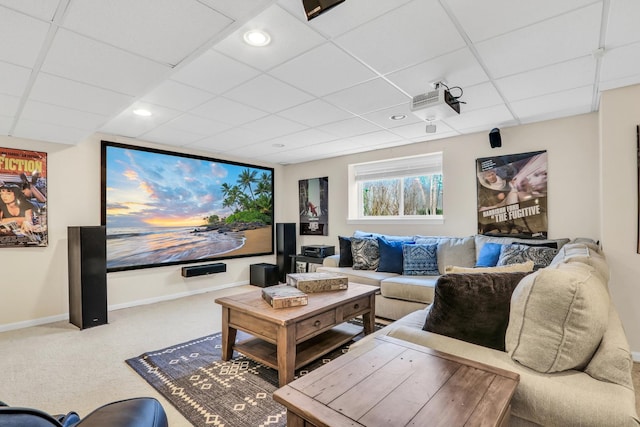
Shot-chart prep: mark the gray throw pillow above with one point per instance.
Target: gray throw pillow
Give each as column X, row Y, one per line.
column 473, row 307
column 517, row 254
column 365, row 252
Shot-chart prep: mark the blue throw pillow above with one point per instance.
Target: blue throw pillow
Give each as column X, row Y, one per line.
column 489, row 255
column 391, row 259
column 420, row 260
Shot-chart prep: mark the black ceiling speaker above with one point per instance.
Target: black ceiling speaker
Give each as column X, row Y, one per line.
column 314, row 8
column 494, row 138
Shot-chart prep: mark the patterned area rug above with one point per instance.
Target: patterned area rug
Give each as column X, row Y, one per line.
column 211, row 392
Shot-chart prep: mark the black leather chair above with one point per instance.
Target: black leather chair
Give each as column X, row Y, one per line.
column 136, row 412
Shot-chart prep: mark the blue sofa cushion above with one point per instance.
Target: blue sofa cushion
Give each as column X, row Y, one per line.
column 489, row 255
column 420, row 260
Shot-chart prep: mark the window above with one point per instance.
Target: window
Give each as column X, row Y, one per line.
column 407, row 188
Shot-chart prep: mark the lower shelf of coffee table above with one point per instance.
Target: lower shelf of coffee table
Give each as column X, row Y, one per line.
column 306, row 352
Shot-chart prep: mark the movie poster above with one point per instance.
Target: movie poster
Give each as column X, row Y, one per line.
column 512, row 195
column 23, row 198
column 314, row 206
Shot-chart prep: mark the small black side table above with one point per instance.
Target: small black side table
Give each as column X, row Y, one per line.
column 303, row 258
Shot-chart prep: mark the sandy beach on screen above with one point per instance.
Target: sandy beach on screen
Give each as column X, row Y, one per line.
column 257, row 241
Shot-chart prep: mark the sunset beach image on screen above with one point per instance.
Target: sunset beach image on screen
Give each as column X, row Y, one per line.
column 165, row 208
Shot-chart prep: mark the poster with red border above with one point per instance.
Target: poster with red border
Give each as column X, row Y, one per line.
column 23, row 198
column 512, row 195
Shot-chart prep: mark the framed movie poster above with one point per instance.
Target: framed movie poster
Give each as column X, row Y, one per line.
column 313, row 205
column 23, row 198
column 512, row 195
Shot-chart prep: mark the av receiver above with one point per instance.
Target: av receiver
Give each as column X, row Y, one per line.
column 318, row 251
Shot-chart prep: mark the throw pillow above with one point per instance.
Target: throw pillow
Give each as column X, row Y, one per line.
column 346, row 257
column 511, row 268
column 366, row 255
column 420, row 260
column 473, row 307
column 518, row 253
column 391, row 259
column 558, row 318
column 489, row 255
column 452, row 250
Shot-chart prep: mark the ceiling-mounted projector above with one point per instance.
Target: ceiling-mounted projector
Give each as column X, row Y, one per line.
column 436, row 104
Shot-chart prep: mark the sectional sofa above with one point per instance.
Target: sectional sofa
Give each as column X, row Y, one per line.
column 400, row 293
column 555, row 326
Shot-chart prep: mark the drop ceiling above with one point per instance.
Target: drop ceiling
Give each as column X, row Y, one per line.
column 321, row 88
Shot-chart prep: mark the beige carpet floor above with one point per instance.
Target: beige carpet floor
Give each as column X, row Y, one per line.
column 58, row 368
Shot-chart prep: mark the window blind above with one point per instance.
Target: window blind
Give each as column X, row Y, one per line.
column 428, row 164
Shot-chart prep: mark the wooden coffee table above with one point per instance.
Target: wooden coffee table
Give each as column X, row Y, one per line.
column 289, row 338
column 391, row 382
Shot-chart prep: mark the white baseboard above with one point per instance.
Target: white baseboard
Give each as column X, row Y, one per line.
column 65, row 316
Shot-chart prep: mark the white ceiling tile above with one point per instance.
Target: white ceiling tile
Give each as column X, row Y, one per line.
column 323, row 70
column 167, row 134
column 374, row 138
column 486, row 118
column 177, row 96
column 238, row 9
column 315, row 113
column 228, row 140
column 622, row 27
column 459, row 68
column 49, row 132
column 273, row 126
column 418, row 130
column 570, row 102
column 78, row 58
column 369, row 96
column 620, row 63
column 387, row 46
column 215, row 72
column 568, row 36
column 482, row 20
column 227, row 111
column 79, row 96
column 166, row 31
column 349, row 127
column 56, row 115
column 289, row 37
column 383, row 117
column 131, row 125
column 268, row 94
column 41, row 9
column 345, row 16
column 554, row 78
column 8, row 105
column 14, row 79
column 197, row 125
column 478, row 96
column 257, row 150
column 22, row 38
column 305, row 138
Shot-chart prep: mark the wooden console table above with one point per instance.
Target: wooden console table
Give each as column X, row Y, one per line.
column 289, row 338
column 390, row 382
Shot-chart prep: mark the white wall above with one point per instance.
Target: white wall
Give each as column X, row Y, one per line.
column 35, row 283
column 619, row 116
column 572, row 146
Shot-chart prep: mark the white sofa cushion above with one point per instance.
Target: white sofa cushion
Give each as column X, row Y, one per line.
column 558, row 317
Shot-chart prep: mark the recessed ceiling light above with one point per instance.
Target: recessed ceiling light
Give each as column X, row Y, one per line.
column 398, row 117
column 257, row 38
column 142, row 112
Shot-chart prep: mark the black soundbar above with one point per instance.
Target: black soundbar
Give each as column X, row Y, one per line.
column 201, row 270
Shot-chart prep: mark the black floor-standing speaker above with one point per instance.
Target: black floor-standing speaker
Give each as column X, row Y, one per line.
column 87, row 251
column 285, row 247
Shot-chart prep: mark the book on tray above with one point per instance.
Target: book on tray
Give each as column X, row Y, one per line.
column 318, row 282
column 283, row 296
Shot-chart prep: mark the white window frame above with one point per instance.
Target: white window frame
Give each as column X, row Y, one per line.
column 423, row 164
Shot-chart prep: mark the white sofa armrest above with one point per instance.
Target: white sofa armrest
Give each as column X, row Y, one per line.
column 331, row 261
